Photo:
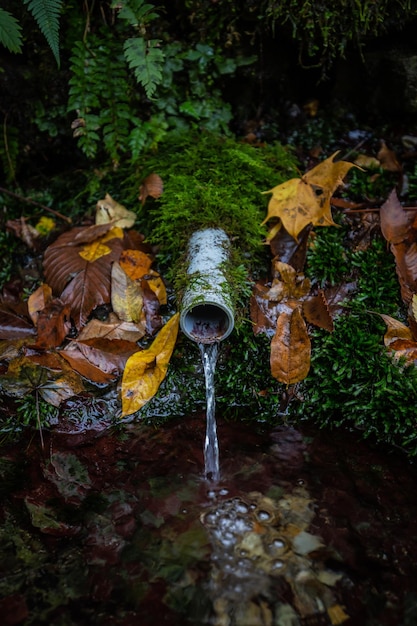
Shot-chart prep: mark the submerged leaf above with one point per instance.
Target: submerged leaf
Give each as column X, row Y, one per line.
column 145, row 370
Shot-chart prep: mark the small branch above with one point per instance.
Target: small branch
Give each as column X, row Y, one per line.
column 42, row 206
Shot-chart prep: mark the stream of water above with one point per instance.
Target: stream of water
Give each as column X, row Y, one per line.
column 211, row 445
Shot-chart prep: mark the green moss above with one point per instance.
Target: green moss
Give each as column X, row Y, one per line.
column 212, row 181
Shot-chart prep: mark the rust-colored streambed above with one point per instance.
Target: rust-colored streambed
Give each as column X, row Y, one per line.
column 120, row 529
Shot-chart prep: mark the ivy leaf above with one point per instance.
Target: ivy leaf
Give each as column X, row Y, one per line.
column 10, row 32
column 145, row 58
column 145, row 370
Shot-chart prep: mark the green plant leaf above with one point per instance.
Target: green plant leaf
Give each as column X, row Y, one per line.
column 10, row 32
column 145, row 59
column 46, row 14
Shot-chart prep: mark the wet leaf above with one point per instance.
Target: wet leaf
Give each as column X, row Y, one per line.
column 53, row 324
column 82, row 284
column 302, row 201
column 290, row 348
column 98, row 248
column 126, row 295
column 109, row 210
column 113, row 328
column 337, row 614
column 80, row 363
column 135, row 263
column 145, row 370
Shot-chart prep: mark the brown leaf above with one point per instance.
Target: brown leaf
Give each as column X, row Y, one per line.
column 82, row 284
column 395, row 220
column 395, row 330
column 82, row 365
column 53, row 324
column 96, row 249
column 262, row 312
column 151, row 307
column 316, row 311
column 38, row 300
column 27, row 233
column 290, row 348
column 145, row 370
column 151, row 186
column 113, row 328
column 15, row 322
column 388, row 159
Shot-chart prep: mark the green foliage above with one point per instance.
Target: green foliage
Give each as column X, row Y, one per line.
column 46, row 14
column 10, row 32
column 327, row 256
column 354, row 382
column 145, row 59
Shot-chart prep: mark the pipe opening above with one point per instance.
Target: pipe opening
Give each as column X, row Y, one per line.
column 207, row 323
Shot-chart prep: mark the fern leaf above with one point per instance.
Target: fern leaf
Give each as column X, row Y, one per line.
column 146, row 59
column 10, row 32
column 135, row 12
column 46, row 14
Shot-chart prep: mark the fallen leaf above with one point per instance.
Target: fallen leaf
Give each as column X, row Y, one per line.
column 96, row 249
column 53, row 324
column 126, row 295
column 316, row 311
column 302, row 201
column 290, row 348
column 108, row 210
column 135, row 263
column 113, row 328
column 395, row 220
column 146, row 369
column 80, row 283
column 388, row 159
column 38, row 300
column 152, row 186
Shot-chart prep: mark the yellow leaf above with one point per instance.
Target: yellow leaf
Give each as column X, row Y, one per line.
column 96, row 249
column 337, row 614
column 146, row 369
column 414, row 306
column 126, row 295
column 290, row 348
column 108, row 210
column 306, row 200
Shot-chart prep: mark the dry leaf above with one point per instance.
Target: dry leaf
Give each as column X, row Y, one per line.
column 145, row 370
column 388, row 159
column 290, row 348
column 108, row 210
column 151, row 186
column 113, row 328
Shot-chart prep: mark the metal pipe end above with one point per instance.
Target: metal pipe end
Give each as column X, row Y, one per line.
column 207, row 322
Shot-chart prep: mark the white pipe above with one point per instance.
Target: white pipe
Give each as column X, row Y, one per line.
column 207, row 311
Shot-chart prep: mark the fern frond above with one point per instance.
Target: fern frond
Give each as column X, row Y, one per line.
column 46, row 14
column 135, row 12
column 146, row 59
column 10, row 32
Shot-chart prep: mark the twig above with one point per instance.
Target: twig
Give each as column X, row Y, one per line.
column 42, row 206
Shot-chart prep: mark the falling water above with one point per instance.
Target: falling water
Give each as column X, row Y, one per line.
column 211, row 445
